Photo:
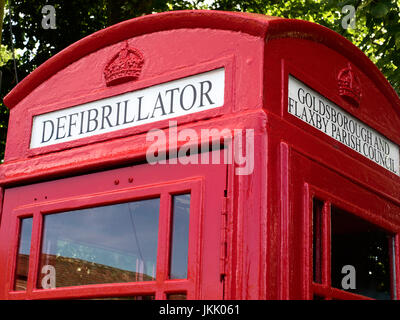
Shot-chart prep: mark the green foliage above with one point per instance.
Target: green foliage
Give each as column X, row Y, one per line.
column 377, row 31
column 5, row 55
column 378, row 36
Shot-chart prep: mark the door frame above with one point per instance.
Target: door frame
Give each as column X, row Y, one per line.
column 307, row 178
column 164, row 181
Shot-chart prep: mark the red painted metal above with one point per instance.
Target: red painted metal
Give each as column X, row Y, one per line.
column 126, row 65
column 205, row 183
column 268, row 220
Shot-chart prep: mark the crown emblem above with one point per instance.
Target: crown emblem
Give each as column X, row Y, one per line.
column 349, row 85
column 124, row 66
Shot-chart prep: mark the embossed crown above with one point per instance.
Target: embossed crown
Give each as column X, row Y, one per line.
column 124, row 66
column 349, row 85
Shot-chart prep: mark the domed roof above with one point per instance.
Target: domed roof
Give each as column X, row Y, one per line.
column 253, row 24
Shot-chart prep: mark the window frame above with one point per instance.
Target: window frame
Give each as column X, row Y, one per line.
column 161, row 287
column 324, row 289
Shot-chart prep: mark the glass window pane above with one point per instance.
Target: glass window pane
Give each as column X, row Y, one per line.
column 180, row 236
column 108, row 244
column 176, row 296
column 360, row 256
column 24, row 248
column 318, row 206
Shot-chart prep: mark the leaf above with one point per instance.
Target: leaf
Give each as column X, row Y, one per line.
column 380, row 10
column 397, row 40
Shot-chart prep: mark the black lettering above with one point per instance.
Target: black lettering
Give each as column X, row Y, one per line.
column 160, row 106
column 352, row 126
column 82, row 114
column 321, row 108
column 387, row 148
column 345, row 121
column 92, row 119
column 365, row 149
column 358, row 145
column 312, row 118
column 71, row 123
column 105, row 117
column 126, row 113
column 318, row 121
column 357, row 130
column 202, row 93
column 118, row 107
column 291, row 104
column 333, row 113
column 140, row 110
column 194, row 96
column 171, row 107
column 369, row 137
column 325, row 122
column 301, row 98
column 309, row 100
column 304, row 115
column 339, row 119
column 328, row 112
column 60, row 127
column 44, row 130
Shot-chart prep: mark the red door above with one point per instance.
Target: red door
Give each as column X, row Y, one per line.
column 343, row 234
column 138, row 232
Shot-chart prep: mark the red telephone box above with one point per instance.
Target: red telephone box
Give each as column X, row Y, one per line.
column 202, row 155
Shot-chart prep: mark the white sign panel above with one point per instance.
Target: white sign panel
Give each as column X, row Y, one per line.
column 163, row 101
column 319, row 112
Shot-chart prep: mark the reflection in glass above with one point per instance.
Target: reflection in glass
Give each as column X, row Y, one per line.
column 180, row 236
column 108, row 244
column 24, row 248
column 364, row 246
column 176, row 296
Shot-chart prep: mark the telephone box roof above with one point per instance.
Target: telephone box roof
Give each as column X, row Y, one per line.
column 253, row 24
